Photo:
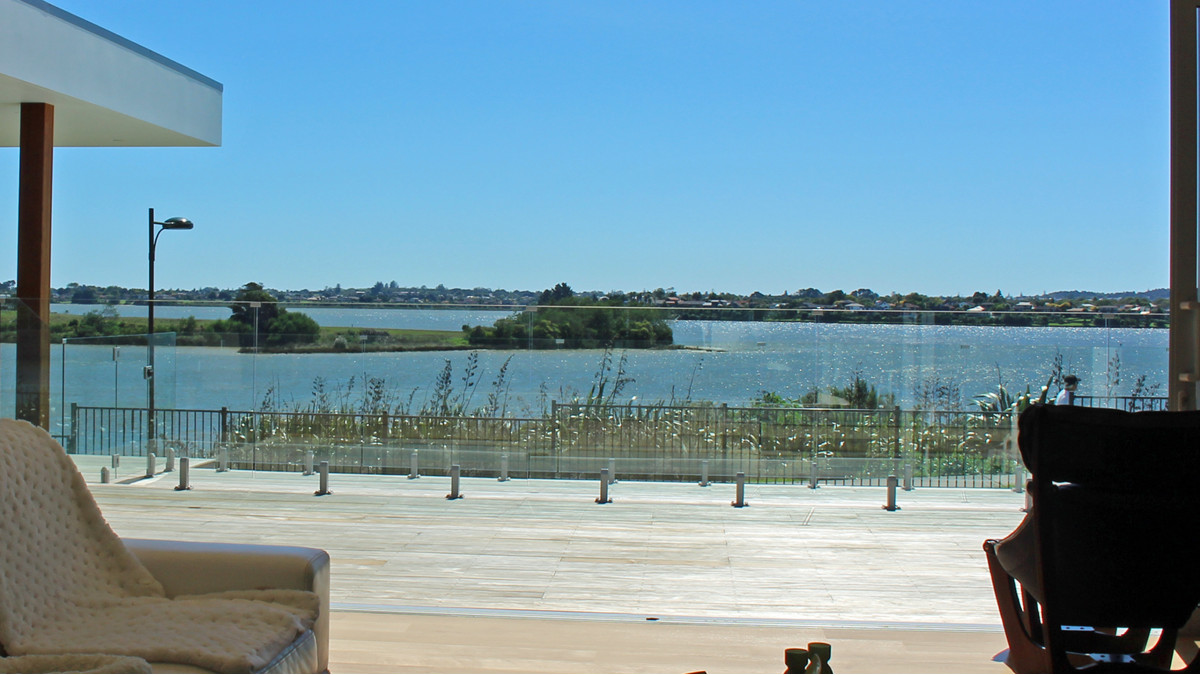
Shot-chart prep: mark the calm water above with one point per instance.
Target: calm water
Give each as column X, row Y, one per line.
column 732, row 362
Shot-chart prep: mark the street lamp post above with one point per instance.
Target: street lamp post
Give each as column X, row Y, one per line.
column 168, row 224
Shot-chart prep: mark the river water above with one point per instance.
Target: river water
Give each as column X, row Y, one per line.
column 730, row 362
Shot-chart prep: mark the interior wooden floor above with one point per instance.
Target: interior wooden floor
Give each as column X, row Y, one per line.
column 406, row 643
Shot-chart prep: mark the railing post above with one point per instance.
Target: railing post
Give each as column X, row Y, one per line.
column 224, row 424
column 455, row 472
column 503, row 468
column 324, row 480
column 896, row 426
column 385, row 433
column 724, row 427
column 813, row 472
column 892, row 482
column 184, row 472
column 415, row 471
column 73, row 439
column 554, row 428
column 603, row 498
column 704, row 473
column 740, row 491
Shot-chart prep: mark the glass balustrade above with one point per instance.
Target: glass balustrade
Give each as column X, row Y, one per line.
column 665, row 393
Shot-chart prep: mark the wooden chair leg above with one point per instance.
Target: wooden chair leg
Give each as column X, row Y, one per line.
column 1025, row 654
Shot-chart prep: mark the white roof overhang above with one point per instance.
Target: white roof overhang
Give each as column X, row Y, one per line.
column 106, row 91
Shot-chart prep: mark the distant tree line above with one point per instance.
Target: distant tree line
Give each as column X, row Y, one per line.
column 563, row 319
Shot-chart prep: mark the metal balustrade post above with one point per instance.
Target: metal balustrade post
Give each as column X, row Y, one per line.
column 503, row 468
column 812, row 478
column 892, row 483
column 184, row 474
column 455, row 472
column 414, row 472
column 604, row 483
column 704, row 473
column 740, row 491
column 324, row 480
column 73, row 439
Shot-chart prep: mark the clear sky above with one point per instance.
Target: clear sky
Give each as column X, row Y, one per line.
column 940, row 147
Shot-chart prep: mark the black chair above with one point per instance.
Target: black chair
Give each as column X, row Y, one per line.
column 1108, row 555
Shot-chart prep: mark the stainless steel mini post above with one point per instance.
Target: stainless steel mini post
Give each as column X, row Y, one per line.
column 612, row 470
column 503, row 468
column 455, row 472
column 414, row 472
column 105, row 475
column 604, row 481
column 892, row 483
column 908, row 476
column 170, row 460
column 740, row 495
column 308, row 463
column 324, row 489
column 184, row 474
column 812, row 474
column 150, row 460
column 704, row 473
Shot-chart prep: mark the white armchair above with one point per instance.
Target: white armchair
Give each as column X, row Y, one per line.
column 72, row 591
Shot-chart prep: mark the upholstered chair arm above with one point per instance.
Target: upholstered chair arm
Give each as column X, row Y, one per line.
column 186, row 568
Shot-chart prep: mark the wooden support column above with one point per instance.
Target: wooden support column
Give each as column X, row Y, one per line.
column 1183, row 369
column 33, row 264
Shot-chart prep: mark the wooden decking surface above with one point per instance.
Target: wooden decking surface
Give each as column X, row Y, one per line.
column 534, row 576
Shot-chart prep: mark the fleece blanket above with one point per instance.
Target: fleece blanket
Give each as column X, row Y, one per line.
column 69, row 586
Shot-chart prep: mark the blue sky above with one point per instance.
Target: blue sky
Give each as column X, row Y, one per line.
column 942, row 147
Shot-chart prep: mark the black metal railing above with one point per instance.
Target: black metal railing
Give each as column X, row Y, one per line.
column 1129, row 403
column 676, row 443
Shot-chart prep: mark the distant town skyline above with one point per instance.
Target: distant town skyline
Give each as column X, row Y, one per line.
column 389, row 289
column 937, row 147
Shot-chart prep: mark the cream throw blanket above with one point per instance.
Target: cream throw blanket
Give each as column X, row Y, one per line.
column 69, row 586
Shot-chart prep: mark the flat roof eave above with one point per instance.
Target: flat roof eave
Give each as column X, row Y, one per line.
column 106, row 90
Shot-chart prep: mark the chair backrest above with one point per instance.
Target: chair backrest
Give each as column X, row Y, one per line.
column 1117, row 505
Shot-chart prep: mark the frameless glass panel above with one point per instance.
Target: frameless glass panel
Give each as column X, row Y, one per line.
column 667, row 393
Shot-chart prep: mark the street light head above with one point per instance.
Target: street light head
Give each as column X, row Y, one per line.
column 177, row 224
